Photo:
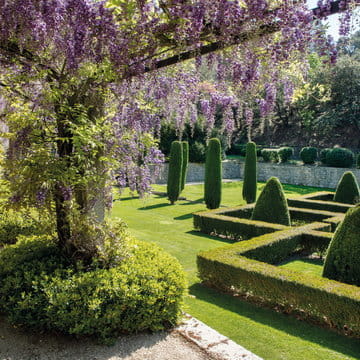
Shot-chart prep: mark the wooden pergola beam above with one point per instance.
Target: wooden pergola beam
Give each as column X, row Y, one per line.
column 318, row 13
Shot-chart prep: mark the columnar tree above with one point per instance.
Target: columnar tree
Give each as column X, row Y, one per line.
column 250, row 175
column 175, row 171
column 213, row 174
column 185, row 148
column 79, row 104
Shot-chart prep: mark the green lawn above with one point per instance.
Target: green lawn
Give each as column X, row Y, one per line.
column 268, row 334
column 305, row 265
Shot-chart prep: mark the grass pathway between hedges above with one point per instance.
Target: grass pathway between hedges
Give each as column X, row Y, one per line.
column 266, row 333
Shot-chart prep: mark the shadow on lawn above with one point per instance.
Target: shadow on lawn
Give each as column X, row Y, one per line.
column 191, row 202
column 221, row 239
column 281, row 322
column 127, row 198
column 156, row 206
column 184, row 217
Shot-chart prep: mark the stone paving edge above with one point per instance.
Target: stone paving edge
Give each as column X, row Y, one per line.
column 213, row 343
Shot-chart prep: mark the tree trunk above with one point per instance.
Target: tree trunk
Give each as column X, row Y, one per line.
column 64, row 151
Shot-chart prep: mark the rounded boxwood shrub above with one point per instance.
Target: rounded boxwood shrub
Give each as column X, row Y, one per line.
column 347, row 190
column 175, row 171
column 271, row 206
column 250, row 175
column 185, row 162
column 285, row 153
column 213, row 174
column 342, row 261
column 340, row 157
column 308, row 154
column 274, row 156
column 266, row 155
column 323, row 155
column 40, row 288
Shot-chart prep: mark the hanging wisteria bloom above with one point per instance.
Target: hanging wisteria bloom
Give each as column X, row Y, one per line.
column 90, row 82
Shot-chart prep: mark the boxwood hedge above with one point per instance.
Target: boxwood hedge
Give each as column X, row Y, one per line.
column 245, row 268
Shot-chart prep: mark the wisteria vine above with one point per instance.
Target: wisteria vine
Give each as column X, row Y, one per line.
column 85, row 92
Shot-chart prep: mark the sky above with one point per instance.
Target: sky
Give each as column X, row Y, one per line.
column 332, row 21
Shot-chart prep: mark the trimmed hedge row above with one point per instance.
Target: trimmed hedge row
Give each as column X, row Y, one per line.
column 235, row 223
column 231, row 227
column 326, row 301
column 314, row 203
column 316, row 241
column 312, row 215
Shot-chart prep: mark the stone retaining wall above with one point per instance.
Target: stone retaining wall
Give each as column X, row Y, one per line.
column 307, row 175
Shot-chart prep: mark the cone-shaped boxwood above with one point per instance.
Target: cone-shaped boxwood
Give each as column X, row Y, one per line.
column 174, row 175
column 343, row 255
column 250, row 177
column 185, row 161
column 213, row 174
column 271, row 205
column 347, row 190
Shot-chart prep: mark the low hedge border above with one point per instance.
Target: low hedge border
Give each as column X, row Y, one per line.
column 232, row 227
column 313, row 215
column 240, row 268
column 321, row 200
column 235, row 223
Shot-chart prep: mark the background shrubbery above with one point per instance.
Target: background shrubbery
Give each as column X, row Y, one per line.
column 196, row 137
column 308, row 154
column 340, row 157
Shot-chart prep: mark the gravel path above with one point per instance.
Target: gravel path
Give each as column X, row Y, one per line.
column 18, row 344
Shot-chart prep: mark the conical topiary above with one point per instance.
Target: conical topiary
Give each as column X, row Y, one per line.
column 347, row 190
column 250, row 176
column 213, row 174
column 174, row 174
column 271, row 205
column 343, row 255
column 185, row 161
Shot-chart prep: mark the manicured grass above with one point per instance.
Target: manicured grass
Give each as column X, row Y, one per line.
column 305, row 265
column 263, row 331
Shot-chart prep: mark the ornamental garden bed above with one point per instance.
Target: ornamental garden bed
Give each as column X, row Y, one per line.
column 250, row 268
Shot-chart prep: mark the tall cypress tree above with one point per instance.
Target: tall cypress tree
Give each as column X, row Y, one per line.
column 174, row 174
column 213, row 174
column 185, row 161
column 250, row 176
